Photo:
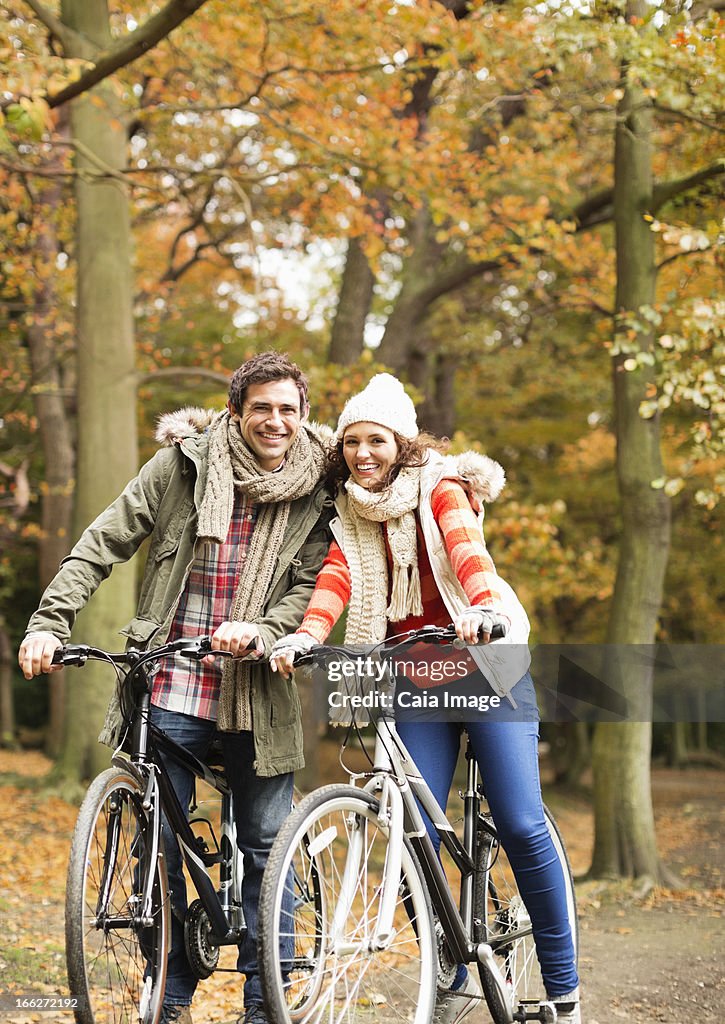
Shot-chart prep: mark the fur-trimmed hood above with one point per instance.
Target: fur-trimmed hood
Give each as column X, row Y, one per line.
column 173, row 426
column 192, row 420
column 483, row 478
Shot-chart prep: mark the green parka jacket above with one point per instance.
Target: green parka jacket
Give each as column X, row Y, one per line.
column 163, row 502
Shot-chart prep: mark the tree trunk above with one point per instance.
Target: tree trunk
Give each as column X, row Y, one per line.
column 438, row 413
column 20, row 491
column 107, row 438
column 356, row 296
column 679, row 755
column 571, row 752
column 55, row 432
column 402, row 342
column 7, row 714
column 625, row 841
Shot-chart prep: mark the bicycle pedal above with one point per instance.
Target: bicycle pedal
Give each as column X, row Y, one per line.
column 544, row 1012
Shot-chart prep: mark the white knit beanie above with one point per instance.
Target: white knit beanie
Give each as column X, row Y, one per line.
column 383, row 401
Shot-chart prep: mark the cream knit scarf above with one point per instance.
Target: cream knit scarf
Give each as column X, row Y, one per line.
column 369, row 612
column 231, row 464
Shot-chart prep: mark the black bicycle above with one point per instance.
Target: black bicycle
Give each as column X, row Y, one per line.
column 118, row 906
column 389, row 930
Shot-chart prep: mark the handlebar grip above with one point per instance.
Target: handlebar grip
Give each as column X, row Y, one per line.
column 71, row 654
column 200, row 647
column 498, row 632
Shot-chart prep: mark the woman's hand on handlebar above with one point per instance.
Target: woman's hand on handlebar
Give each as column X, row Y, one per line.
column 283, row 653
column 476, row 624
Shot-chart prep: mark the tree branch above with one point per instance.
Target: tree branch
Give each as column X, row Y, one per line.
column 174, row 273
column 678, row 256
column 65, row 35
column 681, row 115
column 137, row 43
column 597, row 209
column 702, row 9
column 185, row 371
column 454, row 278
column 36, row 172
column 662, row 194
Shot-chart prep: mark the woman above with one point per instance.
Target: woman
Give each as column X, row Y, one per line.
column 408, row 551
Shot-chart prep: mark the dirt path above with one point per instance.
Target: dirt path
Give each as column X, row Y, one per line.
column 660, row 957
column 643, row 960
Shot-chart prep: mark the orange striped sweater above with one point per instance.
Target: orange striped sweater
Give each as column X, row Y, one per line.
column 466, row 550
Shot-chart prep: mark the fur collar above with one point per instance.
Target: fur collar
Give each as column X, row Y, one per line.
column 484, row 479
column 173, row 427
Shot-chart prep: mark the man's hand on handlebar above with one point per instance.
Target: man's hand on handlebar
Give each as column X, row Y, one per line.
column 240, row 639
column 36, row 654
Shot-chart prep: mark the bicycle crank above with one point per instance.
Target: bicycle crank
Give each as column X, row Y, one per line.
column 202, row 953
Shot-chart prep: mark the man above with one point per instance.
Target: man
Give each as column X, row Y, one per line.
column 237, row 515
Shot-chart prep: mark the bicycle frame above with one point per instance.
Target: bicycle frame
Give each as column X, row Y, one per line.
column 224, row 914
column 118, row 898
column 377, row 856
column 394, row 772
column 401, row 791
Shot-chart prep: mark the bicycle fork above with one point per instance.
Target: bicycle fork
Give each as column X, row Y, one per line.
column 389, row 821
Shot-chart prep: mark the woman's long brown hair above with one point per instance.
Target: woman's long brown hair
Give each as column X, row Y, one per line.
column 411, row 453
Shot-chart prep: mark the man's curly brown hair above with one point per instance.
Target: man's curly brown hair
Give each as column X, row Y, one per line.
column 263, row 368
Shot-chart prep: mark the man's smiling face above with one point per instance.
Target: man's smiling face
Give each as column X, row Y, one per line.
column 270, row 420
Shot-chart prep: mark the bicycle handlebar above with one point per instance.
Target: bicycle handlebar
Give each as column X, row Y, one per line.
column 425, row 634
column 195, row 647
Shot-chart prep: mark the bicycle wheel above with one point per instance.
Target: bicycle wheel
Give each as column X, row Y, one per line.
column 116, row 966
column 506, row 925
column 320, row 958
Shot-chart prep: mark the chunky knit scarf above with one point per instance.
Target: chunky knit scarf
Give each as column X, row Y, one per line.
column 232, row 465
column 369, row 612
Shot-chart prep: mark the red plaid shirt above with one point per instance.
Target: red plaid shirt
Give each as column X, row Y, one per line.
column 191, row 687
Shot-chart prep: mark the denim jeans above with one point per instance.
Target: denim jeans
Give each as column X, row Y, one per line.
column 261, row 806
column 507, row 756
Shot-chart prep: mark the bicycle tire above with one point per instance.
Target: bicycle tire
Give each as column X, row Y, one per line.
column 347, row 978
column 116, row 967
column 505, row 914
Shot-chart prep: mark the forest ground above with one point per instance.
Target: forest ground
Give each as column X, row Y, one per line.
column 644, row 957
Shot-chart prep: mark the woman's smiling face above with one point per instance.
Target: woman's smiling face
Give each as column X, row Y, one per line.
column 370, row 451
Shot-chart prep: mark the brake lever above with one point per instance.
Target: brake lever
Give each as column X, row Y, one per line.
column 71, row 654
column 317, row 653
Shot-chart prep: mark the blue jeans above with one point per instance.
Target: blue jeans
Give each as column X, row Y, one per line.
column 507, row 756
column 261, row 806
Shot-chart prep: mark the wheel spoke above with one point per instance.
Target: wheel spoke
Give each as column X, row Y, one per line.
column 352, row 981
column 116, row 967
column 506, row 923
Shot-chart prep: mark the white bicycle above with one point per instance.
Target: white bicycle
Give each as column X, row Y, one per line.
column 381, row 929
